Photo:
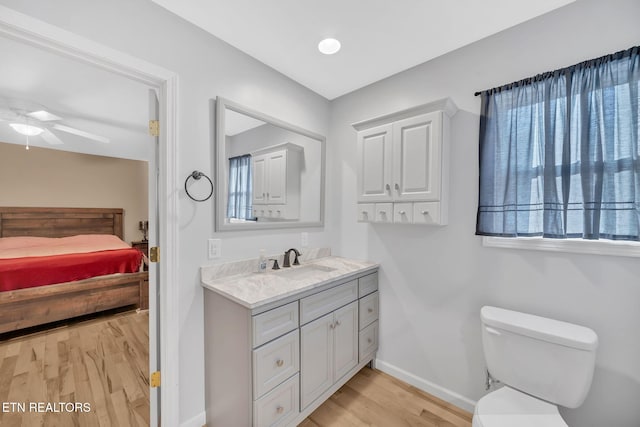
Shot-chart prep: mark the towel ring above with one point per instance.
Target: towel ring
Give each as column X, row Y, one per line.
column 197, row 175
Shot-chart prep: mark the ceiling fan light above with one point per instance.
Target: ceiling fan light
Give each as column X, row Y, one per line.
column 329, row 46
column 27, row 130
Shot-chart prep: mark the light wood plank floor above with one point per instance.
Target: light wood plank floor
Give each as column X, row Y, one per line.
column 373, row 398
column 103, row 362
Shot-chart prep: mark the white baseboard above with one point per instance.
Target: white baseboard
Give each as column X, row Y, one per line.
column 427, row 386
column 197, row 421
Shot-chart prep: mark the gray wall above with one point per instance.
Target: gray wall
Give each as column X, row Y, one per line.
column 433, row 281
column 207, row 67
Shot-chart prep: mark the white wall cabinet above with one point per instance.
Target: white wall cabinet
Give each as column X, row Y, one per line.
column 276, row 181
column 403, row 160
column 274, row 365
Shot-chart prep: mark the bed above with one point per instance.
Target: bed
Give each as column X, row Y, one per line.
column 28, row 304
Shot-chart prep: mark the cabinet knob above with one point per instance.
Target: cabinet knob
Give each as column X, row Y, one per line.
column 370, row 310
column 401, row 212
column 337, row 323
column 279, row 409
column 425, row 212
column 397, row 187
column 280, row 362
column 332, row 326
column 369, row 340
column 387, row 187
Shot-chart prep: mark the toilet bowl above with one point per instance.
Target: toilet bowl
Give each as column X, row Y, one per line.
column 507, row 407
column 542, row 363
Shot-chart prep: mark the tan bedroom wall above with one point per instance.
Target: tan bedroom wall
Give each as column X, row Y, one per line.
column 46, row 177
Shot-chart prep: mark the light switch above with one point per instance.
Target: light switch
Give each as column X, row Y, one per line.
column 215, row 248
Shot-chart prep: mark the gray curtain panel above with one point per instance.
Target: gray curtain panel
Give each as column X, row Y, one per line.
column 239, row 203
column 559, row 153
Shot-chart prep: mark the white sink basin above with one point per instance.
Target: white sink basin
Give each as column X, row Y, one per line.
column 297, row 272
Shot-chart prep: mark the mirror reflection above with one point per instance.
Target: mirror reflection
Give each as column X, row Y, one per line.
column 270, row 173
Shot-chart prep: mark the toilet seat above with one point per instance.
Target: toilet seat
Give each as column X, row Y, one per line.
column 507, row 407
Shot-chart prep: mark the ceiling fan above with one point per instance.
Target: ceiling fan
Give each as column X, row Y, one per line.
column 34, row 120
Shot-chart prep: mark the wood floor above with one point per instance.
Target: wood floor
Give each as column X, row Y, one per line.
column 101, row 363
column 373, row 398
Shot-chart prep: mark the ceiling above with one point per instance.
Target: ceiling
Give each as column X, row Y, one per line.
column 379, row 37
column 85, row 97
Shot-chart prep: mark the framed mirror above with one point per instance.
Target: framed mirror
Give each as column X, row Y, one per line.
column 270, row 174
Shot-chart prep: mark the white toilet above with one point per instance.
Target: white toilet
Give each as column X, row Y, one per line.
column 541, row 362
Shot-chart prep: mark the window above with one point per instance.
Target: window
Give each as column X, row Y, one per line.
column 559, row 153
column 239, row 203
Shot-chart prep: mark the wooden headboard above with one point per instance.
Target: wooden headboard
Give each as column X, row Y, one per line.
column 59, row 222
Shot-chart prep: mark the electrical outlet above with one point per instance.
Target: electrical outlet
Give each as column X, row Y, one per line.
column 215, row 248
column 304, row 239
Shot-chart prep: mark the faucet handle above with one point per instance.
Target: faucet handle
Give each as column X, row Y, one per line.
column 275, row 263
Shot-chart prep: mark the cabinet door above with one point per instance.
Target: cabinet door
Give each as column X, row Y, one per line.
column 345, row 340
column 259, row 180
column 417, row 157
column 374, row 164
column 316, row 359
column 277, row 177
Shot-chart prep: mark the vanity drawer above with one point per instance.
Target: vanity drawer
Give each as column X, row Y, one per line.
column 279, row 406
column 366, row 212
column 274, row 323
column 367, row 284
column 384, row 212
column 426, row 213
column 275, row 362
column 368, row 341
column 368, row 310
column 318, row 305
column 403, row 213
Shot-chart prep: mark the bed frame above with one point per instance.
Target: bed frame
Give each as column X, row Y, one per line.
column 28, row 307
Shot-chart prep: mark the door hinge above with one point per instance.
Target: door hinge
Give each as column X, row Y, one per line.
column 154, row 127
column 155, row 379
column 154, row 254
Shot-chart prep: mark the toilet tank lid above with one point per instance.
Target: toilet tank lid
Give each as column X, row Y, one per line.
column 541, row 328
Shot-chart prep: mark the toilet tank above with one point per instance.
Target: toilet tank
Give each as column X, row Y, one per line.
column 546, row 358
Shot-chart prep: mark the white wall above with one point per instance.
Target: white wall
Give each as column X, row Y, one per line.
column 433, row 281
column 207, row 67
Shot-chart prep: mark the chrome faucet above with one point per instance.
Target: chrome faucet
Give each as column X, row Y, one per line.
column 287, row 254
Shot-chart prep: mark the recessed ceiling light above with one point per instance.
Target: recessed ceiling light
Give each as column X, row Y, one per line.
column 26, row 130
column 329, row 46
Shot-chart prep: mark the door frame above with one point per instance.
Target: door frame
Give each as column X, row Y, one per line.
column 24, row 28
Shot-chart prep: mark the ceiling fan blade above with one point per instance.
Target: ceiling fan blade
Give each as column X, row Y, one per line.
column 51, row 138
column 43, row 116
column 81, row 133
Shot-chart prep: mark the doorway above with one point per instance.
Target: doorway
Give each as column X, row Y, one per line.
column 54, row 41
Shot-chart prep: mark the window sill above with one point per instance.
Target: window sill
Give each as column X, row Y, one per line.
column 593, row 247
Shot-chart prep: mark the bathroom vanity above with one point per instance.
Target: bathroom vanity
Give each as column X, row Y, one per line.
column 278, row 344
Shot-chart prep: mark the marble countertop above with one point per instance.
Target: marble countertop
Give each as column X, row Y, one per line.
column 253, row 290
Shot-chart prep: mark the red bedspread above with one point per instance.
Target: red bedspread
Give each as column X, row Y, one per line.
column 19, row 273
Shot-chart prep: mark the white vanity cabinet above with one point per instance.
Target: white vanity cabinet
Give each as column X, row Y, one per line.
column 403, row 160
column 276, row 181
column 328, row 350
column 274, row 364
